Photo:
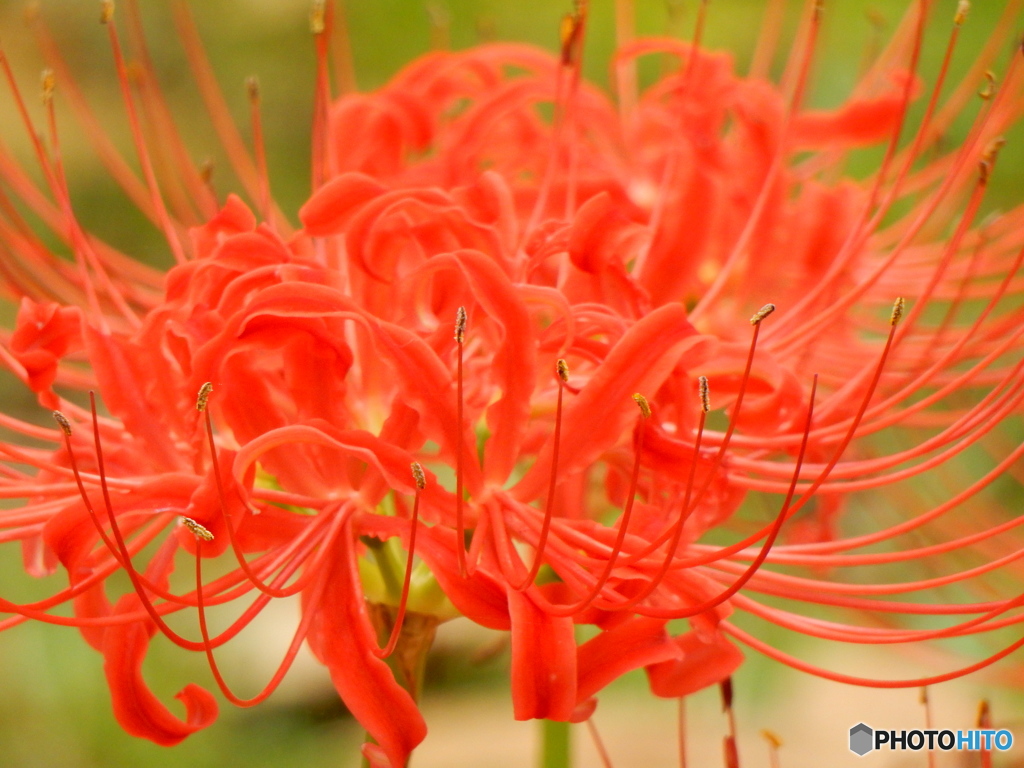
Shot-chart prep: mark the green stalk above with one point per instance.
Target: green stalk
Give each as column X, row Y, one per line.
column 556, row 745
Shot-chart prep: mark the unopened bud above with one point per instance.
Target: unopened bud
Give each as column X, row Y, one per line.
column 197, row 530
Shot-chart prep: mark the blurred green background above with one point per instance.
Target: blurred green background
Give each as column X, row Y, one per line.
column 54, row 706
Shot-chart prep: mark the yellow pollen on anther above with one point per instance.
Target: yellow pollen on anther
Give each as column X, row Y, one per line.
column 989, row 90
column 460, row 325
column 317, row 15
column 204, row 396
column 106, row 11
column 705, row 398
column 988, row 158
column 562, row 369
column 62, row 422
column 197, row 530
column 418, row 476
column 897, row 311
column 762, row 313
column 206, row 171
column 772, row 738
column 645, row 407
column 983, row 713
column 252, row 88
column 49, row 82
column 962, row 9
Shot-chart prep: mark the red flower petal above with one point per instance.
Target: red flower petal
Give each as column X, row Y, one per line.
column 640, row 362
column 543, row 661
column 701, row 664
column 630, row 645
column 341, row 637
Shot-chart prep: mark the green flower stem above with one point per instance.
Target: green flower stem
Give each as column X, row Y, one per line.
column 556, row 745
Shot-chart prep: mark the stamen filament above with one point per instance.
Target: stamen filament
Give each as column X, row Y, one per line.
column 562, row 371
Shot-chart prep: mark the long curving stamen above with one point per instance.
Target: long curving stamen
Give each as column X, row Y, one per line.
column 562, row 374
column 202, row 403
column 396, row 629
column 320, row 27
column 82, row 245
column 145, row 161
column 756, row 320
column 774, row 743
column 140, row 583
column 926, row 703
column 773, row 533
column 252, row 89
column 460, row 523
column 595, row 590
column 309, row 612
column 985, row 724
column 685, row 509
column 116, row 553
column 731, row 753
column 125, row 558
column 602, row 752
column 808, row 493
column 867, row 682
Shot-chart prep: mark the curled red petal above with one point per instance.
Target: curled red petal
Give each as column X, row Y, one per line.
column 331, row 206
column 701, row 663
column 43, row 335
column 138, row 711
column 635, row 643
column 234, row 218
column 858, row 123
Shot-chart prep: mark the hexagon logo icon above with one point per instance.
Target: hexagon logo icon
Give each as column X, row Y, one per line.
column 862, row 739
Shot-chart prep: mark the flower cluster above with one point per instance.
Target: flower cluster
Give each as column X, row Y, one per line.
column 528, row 351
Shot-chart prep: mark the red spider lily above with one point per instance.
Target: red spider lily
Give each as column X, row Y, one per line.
column 611, row 254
